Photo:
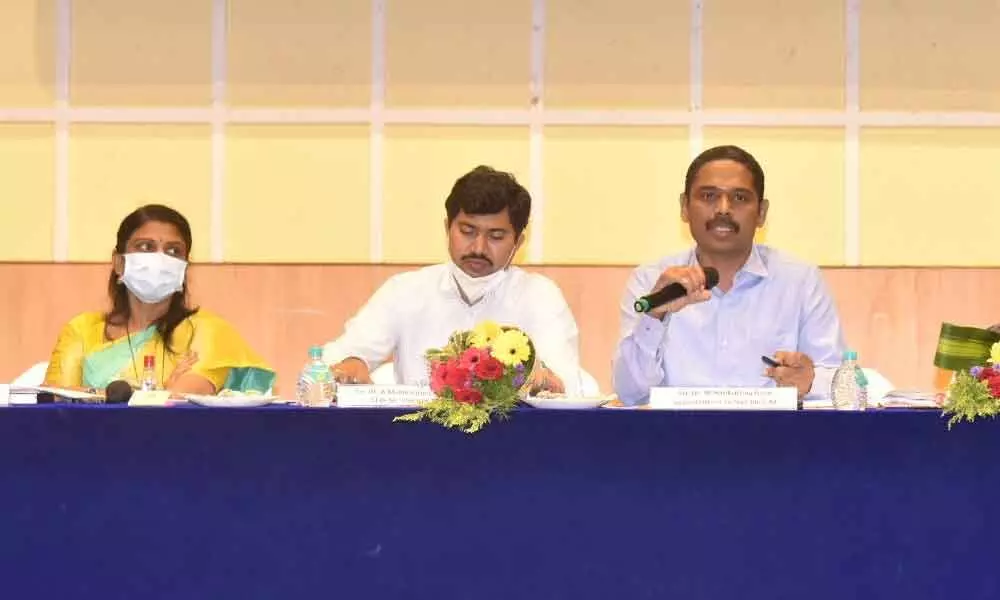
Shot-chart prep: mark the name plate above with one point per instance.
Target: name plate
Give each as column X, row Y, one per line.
column 678, row 398
column 383, row 396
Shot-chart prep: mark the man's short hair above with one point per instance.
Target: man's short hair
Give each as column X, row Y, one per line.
column 486, row 191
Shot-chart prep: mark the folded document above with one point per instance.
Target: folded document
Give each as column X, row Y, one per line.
column 29, row 395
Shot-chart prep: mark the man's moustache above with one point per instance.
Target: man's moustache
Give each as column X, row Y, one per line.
column 477, row 257
column 723, row 221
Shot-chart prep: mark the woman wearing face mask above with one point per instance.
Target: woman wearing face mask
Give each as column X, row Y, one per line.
column 192, row 350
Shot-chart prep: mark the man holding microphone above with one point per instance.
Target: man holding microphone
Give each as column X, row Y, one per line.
column 729, row 312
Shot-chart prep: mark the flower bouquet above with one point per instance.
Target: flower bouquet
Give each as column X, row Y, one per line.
column 973, row 355
column 975, row 393
column 478, row 374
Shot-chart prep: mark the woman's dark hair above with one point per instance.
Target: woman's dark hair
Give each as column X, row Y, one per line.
column 178, row 309
column 486, row 191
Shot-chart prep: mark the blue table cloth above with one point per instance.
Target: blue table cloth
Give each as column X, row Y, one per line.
column 106, row 502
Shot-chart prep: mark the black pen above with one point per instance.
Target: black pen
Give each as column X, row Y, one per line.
column 770, row 361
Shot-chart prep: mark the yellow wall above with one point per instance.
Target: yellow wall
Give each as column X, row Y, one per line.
column 313, row 181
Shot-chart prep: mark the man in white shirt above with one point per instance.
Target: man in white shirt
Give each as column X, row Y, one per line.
column 487, row 213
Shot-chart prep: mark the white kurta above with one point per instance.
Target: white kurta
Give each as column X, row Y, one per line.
column 418, row 310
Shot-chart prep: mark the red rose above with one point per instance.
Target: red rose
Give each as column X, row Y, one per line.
column 987, row 373
column 994, row 385
column 489, row 369
column 456, row 377
column 438, row 372
column 469, row 396
column 472, row 357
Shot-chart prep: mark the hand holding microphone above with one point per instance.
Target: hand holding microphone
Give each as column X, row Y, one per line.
column 676, row 288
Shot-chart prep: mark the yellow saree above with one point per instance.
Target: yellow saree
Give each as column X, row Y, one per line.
column 84, row 358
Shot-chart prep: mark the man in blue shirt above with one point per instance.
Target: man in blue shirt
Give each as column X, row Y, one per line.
column 766, row 303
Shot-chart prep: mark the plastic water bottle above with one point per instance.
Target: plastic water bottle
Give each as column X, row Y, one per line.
column 148, row 382
column 862, row 379
column 316, row 386
column 849, row 390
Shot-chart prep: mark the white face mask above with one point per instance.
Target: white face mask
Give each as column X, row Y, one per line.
column 475, row 288
column 153, row 276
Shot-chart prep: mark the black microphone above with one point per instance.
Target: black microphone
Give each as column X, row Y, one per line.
column 673, row 292
column 118, row 392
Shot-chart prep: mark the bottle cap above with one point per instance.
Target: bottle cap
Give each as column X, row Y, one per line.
column 315, row 352
column 149, row 361
column 850, row 355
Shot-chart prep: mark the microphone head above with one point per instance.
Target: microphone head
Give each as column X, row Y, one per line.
column 642, row 305
column 118, row 392
column 711, row 277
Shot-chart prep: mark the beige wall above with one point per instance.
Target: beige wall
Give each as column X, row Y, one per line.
column 282, row 160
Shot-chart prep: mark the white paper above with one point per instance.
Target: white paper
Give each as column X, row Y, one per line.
column 149, row 398
column 910, row 399
column 74, row 394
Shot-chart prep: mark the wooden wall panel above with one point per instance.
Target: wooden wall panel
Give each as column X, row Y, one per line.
column 890, row 315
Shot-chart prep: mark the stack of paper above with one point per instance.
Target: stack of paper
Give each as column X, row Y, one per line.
column 29, row 394
column 911, row 399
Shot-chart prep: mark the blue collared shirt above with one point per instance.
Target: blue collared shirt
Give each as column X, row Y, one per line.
column 776, row 303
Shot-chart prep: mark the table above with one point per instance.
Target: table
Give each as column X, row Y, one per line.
column 113, row 502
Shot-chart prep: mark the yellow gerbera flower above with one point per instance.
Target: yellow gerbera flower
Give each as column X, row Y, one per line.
column 995, row 353
column 484, row 334
column 511, row 348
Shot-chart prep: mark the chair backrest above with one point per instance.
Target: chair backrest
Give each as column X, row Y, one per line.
column 32, row 377
column 588, row 385
column 384, row 374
